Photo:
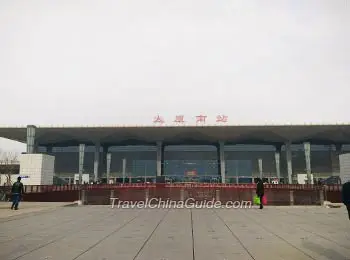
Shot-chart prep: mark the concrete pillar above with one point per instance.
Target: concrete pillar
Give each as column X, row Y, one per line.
column 103, row 161
column 277, row 161
column 124, row 171
column 81, row 162
column 289, row 162
column 335, row 151
column 83, row 197
column 182, row 194
column 108, row 166
column 321, row 197
column 31, row 129
column 307, row 149
column 146, row 194
column 160, row 159
column 291, row 197
column 96, row 161
column 260, row 164
column 217, row 195
column 222, row 164
column 112, row 198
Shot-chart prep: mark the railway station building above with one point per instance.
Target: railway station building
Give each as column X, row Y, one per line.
column 227, row 154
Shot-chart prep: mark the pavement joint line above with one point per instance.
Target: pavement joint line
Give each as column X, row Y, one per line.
column 62, row 237
column 110, row 234
column 234, row 235
column 192, row 231
column 278, row 236
column 149, row 237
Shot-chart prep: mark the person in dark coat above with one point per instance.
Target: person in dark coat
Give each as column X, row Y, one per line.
column 260, row 191
column 17, row 192
column 346, row 196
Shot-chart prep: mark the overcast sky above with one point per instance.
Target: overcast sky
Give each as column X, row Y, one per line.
column 123, row 62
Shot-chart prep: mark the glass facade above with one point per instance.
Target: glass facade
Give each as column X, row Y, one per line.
column 197, row 163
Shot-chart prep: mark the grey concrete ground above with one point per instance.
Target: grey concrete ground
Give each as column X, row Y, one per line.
column 101, row 233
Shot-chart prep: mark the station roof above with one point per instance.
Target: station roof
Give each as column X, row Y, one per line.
column 145, row 135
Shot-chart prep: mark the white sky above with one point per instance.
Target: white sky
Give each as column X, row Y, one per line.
column 123, row 62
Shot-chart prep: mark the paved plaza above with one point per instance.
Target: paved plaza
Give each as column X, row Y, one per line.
column 103, row 233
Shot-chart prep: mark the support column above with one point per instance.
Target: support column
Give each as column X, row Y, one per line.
column 31, row 139
column 103, row 161
column 108, row 166
column 81, row 162
column 160, row 159
column 96, row 161
column 335, row 151
column 307, row 149
column 260, row 164
column 124, row 170
column 222, row 164
column 277, row 161
column 289, row 162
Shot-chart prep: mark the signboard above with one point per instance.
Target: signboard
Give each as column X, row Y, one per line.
column 191, row 173
column 85, row 178
column 302, row 179
column 180, row 119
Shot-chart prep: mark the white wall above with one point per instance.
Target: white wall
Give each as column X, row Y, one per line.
column 344, row 162
column 37, row 169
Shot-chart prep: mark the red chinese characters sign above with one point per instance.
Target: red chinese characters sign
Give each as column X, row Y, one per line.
column 221, row 118
column 158, row 120
column 179, row 119
column 200, row 119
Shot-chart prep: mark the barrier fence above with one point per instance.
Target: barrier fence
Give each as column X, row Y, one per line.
column 280, row 194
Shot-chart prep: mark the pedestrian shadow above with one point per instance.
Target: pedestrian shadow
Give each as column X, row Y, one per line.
column 327, row 252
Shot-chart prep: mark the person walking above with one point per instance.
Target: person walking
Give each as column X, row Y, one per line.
column 260, row 191
column 346, row 196
column 17, row 192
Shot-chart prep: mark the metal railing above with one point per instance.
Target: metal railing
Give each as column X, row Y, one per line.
column 277, row 194
column 53, row 188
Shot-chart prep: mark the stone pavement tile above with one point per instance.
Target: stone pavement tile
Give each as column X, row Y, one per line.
column 77, row 243
column 287, row 229
column 126, row 243
column 29, row 225
column 213, row 240
column 23, row 245
column 260, row 243
column 272, row 233
column 172, row 240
